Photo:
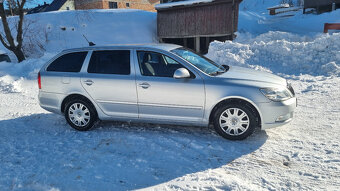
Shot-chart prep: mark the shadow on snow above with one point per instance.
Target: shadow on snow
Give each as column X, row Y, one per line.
column 41, row 152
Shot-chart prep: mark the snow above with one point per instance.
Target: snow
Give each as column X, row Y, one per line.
column 180, row 3
column 39, row 151
column 55, row 31
column 254, row 18
column 285, row 5
column 282, row 52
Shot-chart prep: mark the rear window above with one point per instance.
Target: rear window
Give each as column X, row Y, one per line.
column 71, row 62
column 110, row 62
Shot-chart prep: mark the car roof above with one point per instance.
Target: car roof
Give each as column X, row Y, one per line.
column 161, row 46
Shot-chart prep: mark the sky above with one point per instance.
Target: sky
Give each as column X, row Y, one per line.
column 34, row 3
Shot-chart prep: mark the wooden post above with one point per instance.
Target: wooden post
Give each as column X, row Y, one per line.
column 325, row 28
column 232, row 19
column 207, row 43
column 197, row 44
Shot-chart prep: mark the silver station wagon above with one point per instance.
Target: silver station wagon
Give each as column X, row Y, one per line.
column 162, row 83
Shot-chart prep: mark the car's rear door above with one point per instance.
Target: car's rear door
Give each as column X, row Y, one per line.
column 110, row 81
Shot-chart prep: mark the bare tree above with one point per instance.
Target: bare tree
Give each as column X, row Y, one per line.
column 13, row 45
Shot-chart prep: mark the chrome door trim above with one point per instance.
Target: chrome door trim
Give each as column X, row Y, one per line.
column 171, row 106
column 152, row 105
column 116, row 102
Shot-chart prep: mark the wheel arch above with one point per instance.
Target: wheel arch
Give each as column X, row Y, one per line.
column 241, row 100
column 76, row 96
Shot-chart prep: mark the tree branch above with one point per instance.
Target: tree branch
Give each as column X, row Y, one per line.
column 4, row 43
column 20, row 23
column 5, row 26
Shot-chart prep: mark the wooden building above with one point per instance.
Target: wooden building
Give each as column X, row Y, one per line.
column 321, row 5
column 194, row 24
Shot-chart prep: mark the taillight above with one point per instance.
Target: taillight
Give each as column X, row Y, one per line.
column 39, row 80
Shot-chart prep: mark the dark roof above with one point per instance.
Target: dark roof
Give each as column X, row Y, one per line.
column 55, row 5
column 38, row 9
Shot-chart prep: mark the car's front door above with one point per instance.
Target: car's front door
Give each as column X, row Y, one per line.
column 162, row 97
column 110, row 81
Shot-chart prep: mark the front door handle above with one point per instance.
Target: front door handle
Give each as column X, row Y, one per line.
column 144, row 85
column 88, row 82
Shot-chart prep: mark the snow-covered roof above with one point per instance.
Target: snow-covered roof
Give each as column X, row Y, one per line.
column 56, row 5
column 180, row 3
column 285, row 5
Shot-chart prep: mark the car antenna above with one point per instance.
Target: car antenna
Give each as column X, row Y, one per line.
column 90, row 43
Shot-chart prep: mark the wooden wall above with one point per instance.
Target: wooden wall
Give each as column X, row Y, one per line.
column 205, row 19
column 317, row 3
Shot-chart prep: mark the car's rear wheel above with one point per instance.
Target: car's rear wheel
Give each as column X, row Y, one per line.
column 234, row 121
column 80, row 114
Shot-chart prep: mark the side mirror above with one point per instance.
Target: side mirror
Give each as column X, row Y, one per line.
column 181, row 73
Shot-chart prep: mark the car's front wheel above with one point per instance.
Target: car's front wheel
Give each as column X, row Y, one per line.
column 80, row 114
column 234, row 121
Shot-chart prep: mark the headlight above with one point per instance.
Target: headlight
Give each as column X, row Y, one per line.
column 276, row 94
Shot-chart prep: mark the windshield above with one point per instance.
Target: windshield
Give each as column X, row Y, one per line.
column 201, row 62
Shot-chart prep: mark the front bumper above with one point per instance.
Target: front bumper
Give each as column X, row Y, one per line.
column 275, row 114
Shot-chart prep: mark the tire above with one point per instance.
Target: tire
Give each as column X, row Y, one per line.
column 234, row 121
column 80, row 114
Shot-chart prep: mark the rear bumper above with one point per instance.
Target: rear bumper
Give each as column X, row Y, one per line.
column 275, row 114
column 51, row 101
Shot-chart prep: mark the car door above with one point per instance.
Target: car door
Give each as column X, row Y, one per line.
column 162, row 97
column 110, row 81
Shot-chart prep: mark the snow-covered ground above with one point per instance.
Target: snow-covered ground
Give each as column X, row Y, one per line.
column 39, row 151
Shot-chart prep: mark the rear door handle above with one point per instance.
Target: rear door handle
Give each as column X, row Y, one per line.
column 88, row 82
column 144, row 85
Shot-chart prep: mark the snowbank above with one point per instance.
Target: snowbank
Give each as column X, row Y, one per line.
column 281, row 52
column 254, row 18
column 13, row 74
column 55, row 31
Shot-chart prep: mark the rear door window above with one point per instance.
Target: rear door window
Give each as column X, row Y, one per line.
column 71, row 62
column 110, row 62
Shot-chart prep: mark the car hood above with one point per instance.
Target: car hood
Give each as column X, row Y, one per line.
column 240, row 73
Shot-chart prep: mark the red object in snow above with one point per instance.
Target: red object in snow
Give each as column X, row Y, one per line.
column 39, row 80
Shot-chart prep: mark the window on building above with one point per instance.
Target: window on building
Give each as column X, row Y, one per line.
column 71, row 62
column 113, row 5
column 110, row 62
column 128, row 5
column 67, row 8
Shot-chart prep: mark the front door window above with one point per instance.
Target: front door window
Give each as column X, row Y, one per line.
column 155, row 64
